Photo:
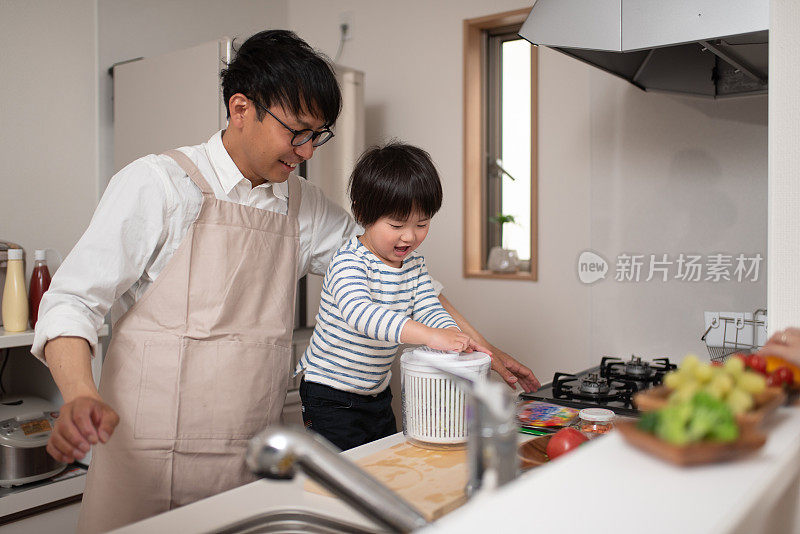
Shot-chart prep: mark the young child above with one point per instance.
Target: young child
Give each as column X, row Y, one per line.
column 376, row 294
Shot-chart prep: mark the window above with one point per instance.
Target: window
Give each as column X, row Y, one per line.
column 500, row 105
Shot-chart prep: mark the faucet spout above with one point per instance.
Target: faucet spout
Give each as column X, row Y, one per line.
column 278, row 452
column 492, row 443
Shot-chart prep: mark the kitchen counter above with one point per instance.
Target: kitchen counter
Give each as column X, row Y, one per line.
column 606, row 483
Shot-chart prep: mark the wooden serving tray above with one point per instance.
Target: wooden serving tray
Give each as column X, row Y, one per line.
column 694, row 453
column 532, row 452
column 764, row 403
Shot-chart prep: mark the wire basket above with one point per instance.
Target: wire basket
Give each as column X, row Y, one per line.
column 729, row 333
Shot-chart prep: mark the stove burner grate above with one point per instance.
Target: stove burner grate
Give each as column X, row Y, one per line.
column 592, row 388
column 645, row 374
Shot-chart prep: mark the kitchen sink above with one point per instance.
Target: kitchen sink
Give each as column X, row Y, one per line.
column 292, row 522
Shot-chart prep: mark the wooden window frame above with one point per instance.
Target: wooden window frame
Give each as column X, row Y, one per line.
column 475, row 121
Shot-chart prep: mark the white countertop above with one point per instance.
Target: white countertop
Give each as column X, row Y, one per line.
column 606, row 483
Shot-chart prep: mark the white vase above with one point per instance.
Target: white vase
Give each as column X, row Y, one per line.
column 503, row 260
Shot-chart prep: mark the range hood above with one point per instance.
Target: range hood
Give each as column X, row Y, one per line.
column 710, row 48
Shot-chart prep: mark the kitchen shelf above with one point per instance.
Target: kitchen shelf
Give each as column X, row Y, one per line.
column 23, row 500
column 25, row 339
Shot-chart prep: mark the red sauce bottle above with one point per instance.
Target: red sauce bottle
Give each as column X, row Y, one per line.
column 40, row 282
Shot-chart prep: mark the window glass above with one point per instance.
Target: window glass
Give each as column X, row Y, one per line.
column 515, row 151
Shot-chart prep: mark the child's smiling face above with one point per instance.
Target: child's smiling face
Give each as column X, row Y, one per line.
column 392, row 240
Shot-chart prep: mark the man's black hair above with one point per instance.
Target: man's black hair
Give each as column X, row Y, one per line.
column 276, row 67
column 394, row 181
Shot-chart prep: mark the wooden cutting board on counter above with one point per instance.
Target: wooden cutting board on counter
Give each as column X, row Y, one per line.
column 433, row 481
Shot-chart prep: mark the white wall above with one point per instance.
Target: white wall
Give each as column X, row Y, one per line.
column 619, row 170
column 672, row 175
column 48, row 112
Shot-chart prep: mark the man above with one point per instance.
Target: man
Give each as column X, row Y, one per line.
column 197, row 253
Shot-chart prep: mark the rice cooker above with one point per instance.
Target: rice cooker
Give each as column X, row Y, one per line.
column 25, row 426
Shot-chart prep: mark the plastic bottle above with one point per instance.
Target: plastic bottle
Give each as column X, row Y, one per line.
column 40, row 281
column 15, row 298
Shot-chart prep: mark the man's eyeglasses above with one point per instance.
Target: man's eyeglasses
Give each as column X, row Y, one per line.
column 301, row 137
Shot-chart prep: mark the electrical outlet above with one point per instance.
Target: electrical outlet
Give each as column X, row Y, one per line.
column 346, row 25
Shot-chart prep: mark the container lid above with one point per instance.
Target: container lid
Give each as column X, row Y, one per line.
column 445, row 359
column 15, row 253
column 600, row 415
column 40, row 254
column 26, row 422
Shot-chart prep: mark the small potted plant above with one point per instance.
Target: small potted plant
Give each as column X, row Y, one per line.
column 502, row 259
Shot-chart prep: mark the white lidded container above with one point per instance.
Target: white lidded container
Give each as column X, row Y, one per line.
column 434, row 406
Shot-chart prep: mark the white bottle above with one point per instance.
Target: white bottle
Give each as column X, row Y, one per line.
column 15, row 298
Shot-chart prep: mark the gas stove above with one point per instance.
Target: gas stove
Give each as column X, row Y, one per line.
column 610, row 385
column 643, row 373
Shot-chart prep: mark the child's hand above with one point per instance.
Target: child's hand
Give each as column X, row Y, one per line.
column 448, row 339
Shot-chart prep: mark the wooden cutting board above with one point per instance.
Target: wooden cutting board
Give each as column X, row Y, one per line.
column 433, row 481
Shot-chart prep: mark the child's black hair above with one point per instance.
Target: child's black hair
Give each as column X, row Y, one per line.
column 393, row 181
column 276, row 67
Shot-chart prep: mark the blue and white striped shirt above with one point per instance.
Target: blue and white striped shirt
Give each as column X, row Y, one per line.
column 363, row 307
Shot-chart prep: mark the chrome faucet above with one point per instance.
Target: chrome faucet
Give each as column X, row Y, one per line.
column 278, row 451
column 492, row 442
column 492, row 446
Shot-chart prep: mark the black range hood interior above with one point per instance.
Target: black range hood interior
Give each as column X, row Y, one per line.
column 709, row 65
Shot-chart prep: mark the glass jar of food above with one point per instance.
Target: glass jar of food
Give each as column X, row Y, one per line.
column 594, row 422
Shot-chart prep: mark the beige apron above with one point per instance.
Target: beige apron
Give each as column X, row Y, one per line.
column 199, row 364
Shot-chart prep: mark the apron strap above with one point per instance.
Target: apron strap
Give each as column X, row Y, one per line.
column 294, row 195
column 191, row 169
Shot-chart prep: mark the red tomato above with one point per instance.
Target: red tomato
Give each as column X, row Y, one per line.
column 785, row 375
column 716, row 364
column 563, row 441
column 757, row 363
column 773, row 380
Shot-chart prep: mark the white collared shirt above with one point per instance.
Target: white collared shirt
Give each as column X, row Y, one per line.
column 144, row 214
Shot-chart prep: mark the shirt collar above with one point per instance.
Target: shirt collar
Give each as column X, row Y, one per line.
column 229, row 174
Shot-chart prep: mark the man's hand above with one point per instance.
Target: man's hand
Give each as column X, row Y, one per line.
column 81, row 423
column 510, row 369
column 514, row 372
column 784, row 343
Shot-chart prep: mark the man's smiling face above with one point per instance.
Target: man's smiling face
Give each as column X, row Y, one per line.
column 270, row 155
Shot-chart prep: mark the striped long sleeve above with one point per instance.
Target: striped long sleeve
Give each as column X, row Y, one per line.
column 348, row 284
column 427, row 308
column 364, row 305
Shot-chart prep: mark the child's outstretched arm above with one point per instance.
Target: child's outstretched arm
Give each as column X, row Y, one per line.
column 450, row 338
